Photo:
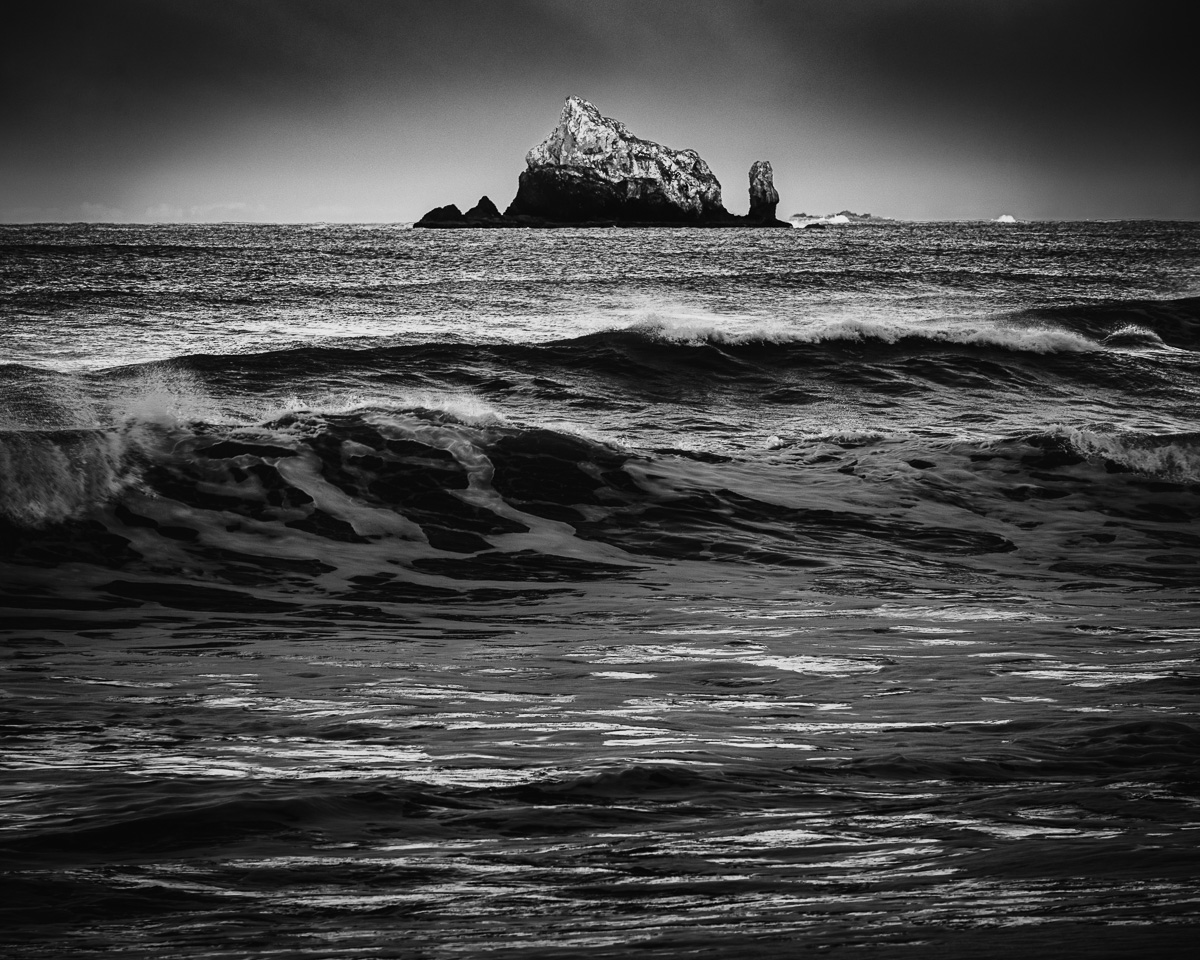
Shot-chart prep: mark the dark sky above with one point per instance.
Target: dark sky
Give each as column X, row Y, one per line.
column 366, row 110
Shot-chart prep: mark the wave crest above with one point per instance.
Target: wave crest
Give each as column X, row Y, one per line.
column 1172, row 457
column 1135, row 336
column 1025, row 339
column 48, row 477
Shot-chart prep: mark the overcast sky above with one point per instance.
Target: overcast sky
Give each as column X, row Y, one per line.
column 367, row 110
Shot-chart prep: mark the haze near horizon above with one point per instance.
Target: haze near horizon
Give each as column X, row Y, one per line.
column 366, row 111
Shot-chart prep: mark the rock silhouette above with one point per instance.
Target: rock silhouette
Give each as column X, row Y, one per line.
column 592, row 171
column 764, row 198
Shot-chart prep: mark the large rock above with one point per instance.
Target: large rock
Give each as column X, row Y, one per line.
column 591, row 168
column 764, row 198
column 483, row 214
column 591, row 171
column 449, row 215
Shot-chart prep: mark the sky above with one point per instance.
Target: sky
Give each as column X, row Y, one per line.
column 378, row 110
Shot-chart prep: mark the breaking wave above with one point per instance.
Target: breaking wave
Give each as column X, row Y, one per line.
column 1171, row 457
column 50, row 476
column 1040, row 339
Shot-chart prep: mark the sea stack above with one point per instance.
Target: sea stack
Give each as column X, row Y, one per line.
column 764, row 198
column 591, row 171
column 592, row 168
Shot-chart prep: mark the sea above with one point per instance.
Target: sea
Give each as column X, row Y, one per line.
column 371, row 592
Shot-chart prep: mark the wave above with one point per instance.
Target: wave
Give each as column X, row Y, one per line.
column 1174, row 322
column 444, row 457
column 481, row 500
column 384, row 505
column 1171, row 457
column 1133, row 336
column 378, row 453
column 646, row 350
column 86, row 450
column 1077, row 328
column 664, row 336
column 988, row 334
column 47, row 477
column 625, row 365
column 305, row 494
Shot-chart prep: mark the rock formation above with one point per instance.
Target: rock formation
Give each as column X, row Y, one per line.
column 443, row 215
column 591, row 171
column 764, row 198
column 592, row 168
column 483, row 210
column 483, row 214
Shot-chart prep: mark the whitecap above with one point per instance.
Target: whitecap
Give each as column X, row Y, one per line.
column 696, row 331
column 1175, row 458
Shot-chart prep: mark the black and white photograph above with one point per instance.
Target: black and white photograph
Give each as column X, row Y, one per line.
column 537, row 479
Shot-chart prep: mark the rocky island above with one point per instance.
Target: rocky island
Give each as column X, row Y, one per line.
column 591, row 171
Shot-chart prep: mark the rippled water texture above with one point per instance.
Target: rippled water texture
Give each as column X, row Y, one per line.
column 379, row 593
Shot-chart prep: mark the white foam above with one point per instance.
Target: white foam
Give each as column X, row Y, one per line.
column 50, row 477
column 1174, row 459
column 742, row 330
column 165, row 396
column 464, row 407
column 849, row 435
column 1132, row 336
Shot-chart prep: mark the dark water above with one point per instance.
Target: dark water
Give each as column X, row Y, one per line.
column 370, row 592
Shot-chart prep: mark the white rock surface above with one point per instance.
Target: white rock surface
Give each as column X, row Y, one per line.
column 585, row 139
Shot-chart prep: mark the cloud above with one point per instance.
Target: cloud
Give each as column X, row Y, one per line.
column 326, row 213
column 100, row 213
column 234, row 211
column 163, row 213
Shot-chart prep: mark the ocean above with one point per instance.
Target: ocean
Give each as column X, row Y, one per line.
column 378, row 592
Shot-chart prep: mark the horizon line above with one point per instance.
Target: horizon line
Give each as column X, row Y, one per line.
column 869, row 219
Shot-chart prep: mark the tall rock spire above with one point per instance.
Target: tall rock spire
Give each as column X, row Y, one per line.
column 764, row 198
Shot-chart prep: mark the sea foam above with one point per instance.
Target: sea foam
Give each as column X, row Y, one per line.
column 50, row 476
column 1173, row 457
column 1027, row 339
